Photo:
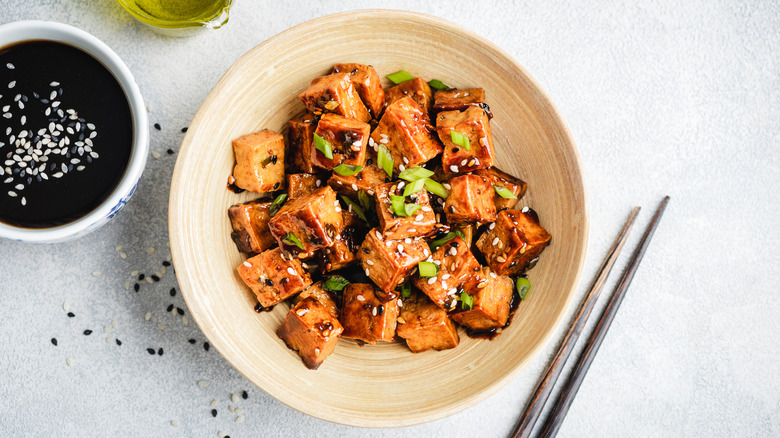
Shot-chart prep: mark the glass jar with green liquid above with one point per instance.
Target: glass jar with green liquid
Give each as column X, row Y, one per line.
column 179, row 17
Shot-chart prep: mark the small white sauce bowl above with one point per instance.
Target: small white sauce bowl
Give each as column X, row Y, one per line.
column 20, row 31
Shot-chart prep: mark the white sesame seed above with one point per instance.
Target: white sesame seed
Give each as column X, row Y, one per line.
column 401, row 167
column 378, row 236
column 384, row 141
column 54, row 84
column 432, row 280
column 97, row 274
column 291, row 271
column 463, row 163
column 360, row 298
column 148, row 316
column 400, row 303
column 491, row 226
column 370, row 262
column 247, row 264
column 525, row 209
column 317, row 351
column 493, row 274
column 10, row 66
column 419, row 217
column 155, row 155
column 203, row 383
column 11, row 84
column 445, row 276
column 412, row 230
column 354, row 187
column 495, row 241
column 12, row 194
column 407, row 240
column 453, row 251
column 69, row 362
column 401, row 185
column 406, row 160
column 444, row 285
column 161, row 326
column 6, row 108
column 400, row 248
column 373, row 311
column 367, row 273
column 453, row 169
column 302, row 312
column 452, row 291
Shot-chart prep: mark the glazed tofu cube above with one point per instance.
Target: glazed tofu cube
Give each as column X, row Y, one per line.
column 365, row 317
column 473, row 124
column 348, row 141
column 492, row 301
column 416, row 88
column 273, row 277
column 460, row 100
column 312, row 329
column 250, row 226
column 367, row 84
column 344, row 250
column 499, row 178
column 406, row 132
column 300, row 136
column 336, row 94
column 457, row 266
column 366, row 180
column 418, row 224
column 388, row 262
column 470, row 200
column 314, row 220
column 513, row 242
column 425, row 325
column 302, row 184
column 259, row 161
column 317, row 291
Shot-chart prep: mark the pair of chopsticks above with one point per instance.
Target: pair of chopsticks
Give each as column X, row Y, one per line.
column 552, row 372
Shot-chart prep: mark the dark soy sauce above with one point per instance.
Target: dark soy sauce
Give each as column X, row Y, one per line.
column 57, row 98
column 492, row 333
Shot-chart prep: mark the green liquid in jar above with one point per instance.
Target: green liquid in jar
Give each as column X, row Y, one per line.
column 176, row 13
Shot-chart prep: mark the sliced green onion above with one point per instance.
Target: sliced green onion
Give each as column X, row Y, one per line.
column 523, row 287
column 277, row 204
column 466, row 300
column 290, row 239
column 347, row 169
column 436, row 188
column 444, row 239
column 411, row 208
column 437, row 84
column 355, row 207
column 504, row 192
column 323, row 146
column 365, row 200
column 427, row 269
column 414, row 187
column 385, row 160
column 406, row 290
column 335, row 283
column 399, row 207
column 400, row 76
column 460, row 140
column 415, row 173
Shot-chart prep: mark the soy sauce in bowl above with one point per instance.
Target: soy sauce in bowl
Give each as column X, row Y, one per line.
column 66, row 134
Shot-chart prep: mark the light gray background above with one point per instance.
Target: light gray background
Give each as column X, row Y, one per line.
column 664, row 98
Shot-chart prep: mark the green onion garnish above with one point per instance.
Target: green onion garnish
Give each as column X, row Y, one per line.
column 437, row 84
column 411, row 208
column 398, row 206
column 323, row 146
column 385, row 160
column 335, row 283
column 355, row 207
column 414, row 187
column 290, row 239
column 460, row 140
column 347, row 169
column 427, row 269
column 365, row 200
column 444, row 239
column 523, row 286
column 466, row 300
column 400, row 76
column 406, row 290
column 415, row 173
column 504, row 192
column 436, row 188
column 277, row 204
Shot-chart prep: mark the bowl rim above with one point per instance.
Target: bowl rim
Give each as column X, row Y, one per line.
column 585, row 223
column 27, row 30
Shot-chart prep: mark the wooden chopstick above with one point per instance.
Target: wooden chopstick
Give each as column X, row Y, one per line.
column 535, row 405
column 568, row 392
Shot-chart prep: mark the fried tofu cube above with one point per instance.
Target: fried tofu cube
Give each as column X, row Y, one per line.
column 336, row 94
column 470, row 200
column 273, row 277
column 418, row 224
column 250, row 226
column 300, row 136
column 457, row 266
column 302, row 184
column 348, row 141
column 367, row 84
column 312, row 328
column 366, row 180
column 406, row 132
column 314, row 220
column 460, row 100
column 473, row 124
column 344, row 250
column 492, row 299
column 513, row 242
column 499, row 178
column 365, row 317
column 416, row 88
column 259, row 161
column 388, row 262
column 424, row 325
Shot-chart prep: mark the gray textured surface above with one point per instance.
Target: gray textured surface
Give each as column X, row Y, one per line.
column 661, row 99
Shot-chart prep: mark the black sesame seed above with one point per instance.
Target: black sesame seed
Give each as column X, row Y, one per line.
column 155, row 278
column 455, row 150
column 284, row 280
column 136, row 287
column 269, row 282
column 157, row 126
column 160, row 351
column 54, row 341
column 150, row 351
column 369, row 162
column 454, row 244
column 173, row 292
column 169, row 308
column 118, row 342
column 166, row 263
column 213, row 412
column 192, row 341
column 141, row 277
column 274, row 159
column 180, row 311
column 87, row 332
column 366, row 250
column 169, row 151
column 452, row 209
column 71, row 314
column 244, row 395
column 380, row 310
column 206, row 346
column 184, row 129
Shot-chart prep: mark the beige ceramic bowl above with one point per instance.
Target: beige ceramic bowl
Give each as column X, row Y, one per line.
column 382, row 385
